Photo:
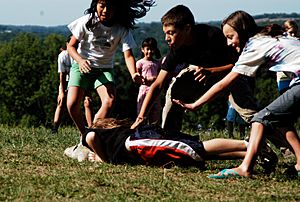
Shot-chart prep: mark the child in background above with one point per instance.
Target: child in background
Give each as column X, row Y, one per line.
column 291, row 28
column 64, row 63
column 148, row 67
column 234, row 119
column 95, row 39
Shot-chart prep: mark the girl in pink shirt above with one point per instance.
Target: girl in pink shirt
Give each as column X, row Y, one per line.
column 148, row 67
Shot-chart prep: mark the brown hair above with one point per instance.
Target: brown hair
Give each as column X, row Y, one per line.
column 108, row 123
column 243, row 23
column 178, row 16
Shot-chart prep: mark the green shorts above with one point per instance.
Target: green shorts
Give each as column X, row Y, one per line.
column 92, row 80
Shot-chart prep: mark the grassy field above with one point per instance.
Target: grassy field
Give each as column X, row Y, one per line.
column 33, row 168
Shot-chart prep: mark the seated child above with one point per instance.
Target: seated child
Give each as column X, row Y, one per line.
column 113, row 141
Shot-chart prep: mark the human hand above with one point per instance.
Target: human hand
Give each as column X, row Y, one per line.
column 137, row 78
column 190, row 107
column 139, row 120
column 84, row 66
column 60, row 97
column 201, row 73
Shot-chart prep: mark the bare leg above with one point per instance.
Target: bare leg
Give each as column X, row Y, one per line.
column 88, row 109
column 293, row 140
column 58, row 113
column 255, row 142
column 75, row 95
column 107, row 94
column 224, row 148
column 94, row 143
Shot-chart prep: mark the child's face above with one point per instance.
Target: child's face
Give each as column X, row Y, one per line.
column 148, row 52
column 232, row 37
column 174, row 36
column 104, row 12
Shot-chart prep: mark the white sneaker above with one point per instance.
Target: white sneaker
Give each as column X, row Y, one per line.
column 78, row 152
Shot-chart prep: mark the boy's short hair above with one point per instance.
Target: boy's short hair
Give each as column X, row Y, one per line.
column 178, row 16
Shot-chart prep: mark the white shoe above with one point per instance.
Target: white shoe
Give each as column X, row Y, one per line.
column 78, row 152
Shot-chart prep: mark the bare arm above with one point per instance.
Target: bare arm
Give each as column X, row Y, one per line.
column 213, row 92
column 202, row 73
column 154, row 91
column 84, row 65
column 130, row 63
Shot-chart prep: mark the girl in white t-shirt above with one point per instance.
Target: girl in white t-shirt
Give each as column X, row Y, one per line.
column 268, row 48
column 95, row 39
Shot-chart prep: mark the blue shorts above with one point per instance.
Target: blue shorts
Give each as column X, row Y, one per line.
column 92, row 80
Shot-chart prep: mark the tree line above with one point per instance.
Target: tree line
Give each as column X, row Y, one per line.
column 29, row 81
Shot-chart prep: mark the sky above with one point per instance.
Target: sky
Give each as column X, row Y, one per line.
column 62, row 12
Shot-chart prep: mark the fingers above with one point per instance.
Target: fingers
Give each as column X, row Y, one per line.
column 84, row 66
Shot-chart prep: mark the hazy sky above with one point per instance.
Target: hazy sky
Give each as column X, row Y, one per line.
column 62, row 12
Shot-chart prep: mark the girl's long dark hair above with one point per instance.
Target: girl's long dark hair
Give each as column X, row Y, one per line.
column 125, row 11
column 151, row 42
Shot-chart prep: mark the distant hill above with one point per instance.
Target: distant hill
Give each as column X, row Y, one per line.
column 7, row 32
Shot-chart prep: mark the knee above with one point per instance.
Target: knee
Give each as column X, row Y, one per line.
column 108, row 101
column 90, row 138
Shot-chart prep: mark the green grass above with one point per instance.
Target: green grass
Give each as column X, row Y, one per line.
column 33, row 168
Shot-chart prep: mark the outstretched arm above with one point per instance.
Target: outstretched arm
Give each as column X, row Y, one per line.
column 213, row 92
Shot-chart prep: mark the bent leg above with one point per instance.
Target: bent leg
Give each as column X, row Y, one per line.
column 107, row 94
column 94, row 143
column 74, row 98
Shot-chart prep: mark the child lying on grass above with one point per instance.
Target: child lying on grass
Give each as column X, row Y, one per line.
column 113, row 141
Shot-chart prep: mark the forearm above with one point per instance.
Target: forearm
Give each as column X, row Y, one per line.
column 216, row 89
column 130, row 62
column 151, row 96
column 221, row 69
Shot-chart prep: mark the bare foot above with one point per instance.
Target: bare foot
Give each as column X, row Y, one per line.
column 241, row 172
column 93, row 157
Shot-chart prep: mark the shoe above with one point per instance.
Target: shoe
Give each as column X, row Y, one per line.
column 267, row 159
column 225, row 174
column 54, row 131
column 292, row 172
column 78, row 152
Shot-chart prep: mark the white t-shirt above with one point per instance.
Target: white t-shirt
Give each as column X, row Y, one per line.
column 99, row 45
column 64, row 62
column 282, row 54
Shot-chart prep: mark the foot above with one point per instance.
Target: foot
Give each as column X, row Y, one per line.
column 93, row 157
column 230, row 173
column 54, row 131
column 78, row 152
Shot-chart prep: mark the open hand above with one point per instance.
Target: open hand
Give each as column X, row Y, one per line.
column 186, row 106
column 201, row 73
column 84, row 66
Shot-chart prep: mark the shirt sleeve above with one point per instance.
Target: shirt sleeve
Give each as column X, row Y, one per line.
column 252, row 57
column 128, row 41
column 64, row 62
column 78, row 27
